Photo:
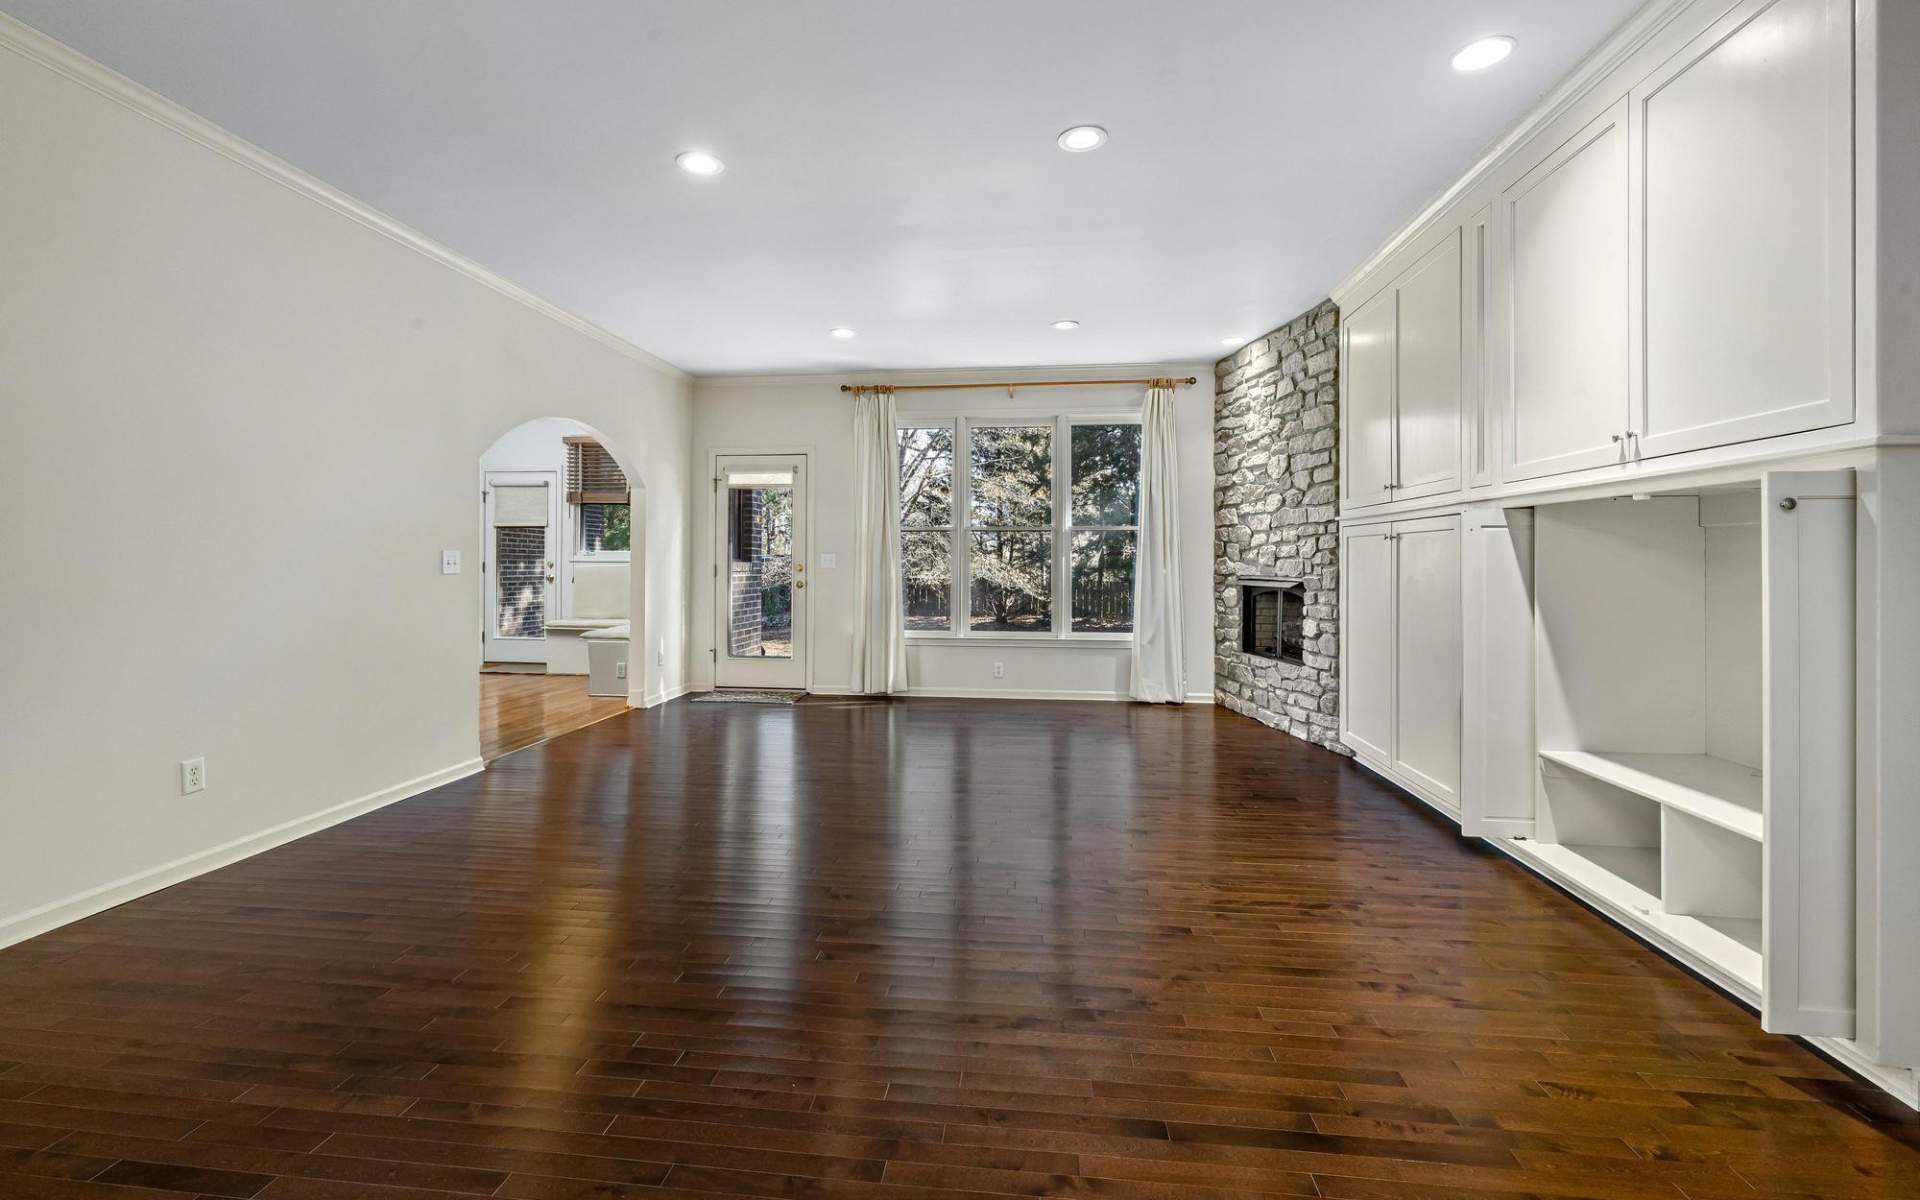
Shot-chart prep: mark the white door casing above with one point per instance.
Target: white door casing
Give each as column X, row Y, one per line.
column 746, row 654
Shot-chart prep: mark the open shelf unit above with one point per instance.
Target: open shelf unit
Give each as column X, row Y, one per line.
column 1650, row 792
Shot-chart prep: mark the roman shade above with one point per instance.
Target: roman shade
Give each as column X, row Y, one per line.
column 519, row 505
column 592, row 475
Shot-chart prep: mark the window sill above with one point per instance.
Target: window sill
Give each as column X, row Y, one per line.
column 1078, row 641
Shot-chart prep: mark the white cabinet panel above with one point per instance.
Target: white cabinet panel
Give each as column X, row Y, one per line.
column 1807, row 919
column 1426, row 608
column 1366, row 630
column 1366, row 373
column 1497, row 740
column 1427, row 413
column 1746, row 273
column 1561, row 240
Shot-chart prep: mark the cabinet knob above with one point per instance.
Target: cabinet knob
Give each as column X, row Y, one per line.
column 1788, row 504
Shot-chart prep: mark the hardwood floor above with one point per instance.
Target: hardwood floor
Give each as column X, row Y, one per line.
column 870, row 951
column 519, row 710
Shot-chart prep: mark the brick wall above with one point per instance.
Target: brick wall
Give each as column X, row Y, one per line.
column 744, row 634
column 1275, row 497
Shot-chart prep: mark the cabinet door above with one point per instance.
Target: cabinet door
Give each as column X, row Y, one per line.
column 1366, row 374
column 1807, row 615
column 1562, row 264
column 1744, row 212
column 1366, row 633
column 1498, row 755
column 1426, row 654
column 1427, row 392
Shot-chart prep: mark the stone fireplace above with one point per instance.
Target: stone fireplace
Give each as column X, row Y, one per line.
column 1276, row 529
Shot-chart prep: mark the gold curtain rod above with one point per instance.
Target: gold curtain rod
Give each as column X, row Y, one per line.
column 862, row 388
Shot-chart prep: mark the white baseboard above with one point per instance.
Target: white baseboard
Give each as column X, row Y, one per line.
column 1013, row 694
column 1902, row 1083
column 1411, row 788
column 34, row 922
column 657, row 698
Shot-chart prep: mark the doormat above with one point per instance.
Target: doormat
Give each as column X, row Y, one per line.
column 746, row 697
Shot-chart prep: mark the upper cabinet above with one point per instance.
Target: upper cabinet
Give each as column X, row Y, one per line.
column 1559, row 337
column 1402, row 383
column 1666, row 266
column 1743, row 152
column 1366, row 388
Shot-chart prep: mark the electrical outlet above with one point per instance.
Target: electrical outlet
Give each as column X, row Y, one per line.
column 193, row 776
column 999, row 670
column 449, row 562
column 619, row 670
column 829, row 561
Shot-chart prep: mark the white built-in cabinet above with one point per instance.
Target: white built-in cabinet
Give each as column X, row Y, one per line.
column 1401, row 645
column 1675, row 273
column 1560, row 267
column 1402, row 369
column 1695, row 729
column 1743, row 284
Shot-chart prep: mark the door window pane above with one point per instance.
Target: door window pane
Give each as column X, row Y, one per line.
column 520, row 577
column 1012, row 582
column 1103, row 566
column 1010, row 472
column 760, row 572
column 1106, row 474
column 926, row 573
column 926, row 477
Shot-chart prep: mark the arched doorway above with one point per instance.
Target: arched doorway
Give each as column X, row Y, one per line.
column 561, row 572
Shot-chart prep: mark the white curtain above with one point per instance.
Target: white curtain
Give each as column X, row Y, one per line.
column 1159, row 624
column 879, row 622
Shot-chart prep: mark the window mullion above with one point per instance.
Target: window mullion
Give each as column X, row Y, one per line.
column 1063, row 527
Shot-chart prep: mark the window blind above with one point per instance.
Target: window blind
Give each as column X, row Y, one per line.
column 592, row 475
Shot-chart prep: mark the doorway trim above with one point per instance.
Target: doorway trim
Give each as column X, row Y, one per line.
column 714, row 455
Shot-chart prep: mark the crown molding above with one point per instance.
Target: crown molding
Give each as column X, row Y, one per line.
column 1609, row 55
column 1009, row 375
column 36, row 47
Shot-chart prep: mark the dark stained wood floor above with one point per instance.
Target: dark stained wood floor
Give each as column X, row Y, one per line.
column 871, row 951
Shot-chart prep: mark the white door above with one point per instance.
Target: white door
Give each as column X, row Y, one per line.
column 760, row 571
column 1427, row 412
column 1426, row 654
column 1366, row 384
column 1366, row 674
column 521, row 515
column 1744, row 155
column 1560, row 345
column 1807, row 615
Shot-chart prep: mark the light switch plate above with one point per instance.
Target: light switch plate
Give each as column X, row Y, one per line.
column 829, row 561
column 449, row 562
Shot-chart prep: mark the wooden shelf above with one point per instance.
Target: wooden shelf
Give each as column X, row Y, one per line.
column 1716, row 791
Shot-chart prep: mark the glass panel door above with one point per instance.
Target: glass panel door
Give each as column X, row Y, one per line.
column 761, row 572
column 519, row 556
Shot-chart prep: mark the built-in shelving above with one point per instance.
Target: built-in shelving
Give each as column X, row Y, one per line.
column 1718, row 792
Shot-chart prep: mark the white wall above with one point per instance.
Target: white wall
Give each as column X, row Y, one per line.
column 242, row 418
column 809, row 413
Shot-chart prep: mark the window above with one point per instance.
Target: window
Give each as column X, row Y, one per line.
column 926, row 527
column 999, row 541
column 602, row 503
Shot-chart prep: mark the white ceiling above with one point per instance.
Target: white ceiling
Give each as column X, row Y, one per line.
column 890, row 163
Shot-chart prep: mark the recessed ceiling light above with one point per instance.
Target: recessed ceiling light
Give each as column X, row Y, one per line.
column 699, row 162
column 1478, row 56
column 1082, row 138
column 841, row 332
column 1063, row 326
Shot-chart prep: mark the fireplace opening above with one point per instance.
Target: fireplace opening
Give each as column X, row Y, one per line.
column 1272, row 620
